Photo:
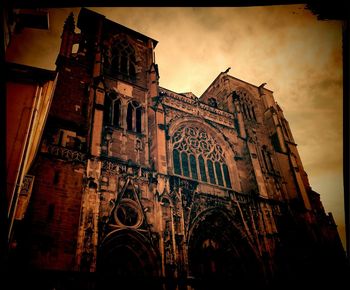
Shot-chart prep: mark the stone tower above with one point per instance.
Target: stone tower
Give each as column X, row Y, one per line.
column 136, row 183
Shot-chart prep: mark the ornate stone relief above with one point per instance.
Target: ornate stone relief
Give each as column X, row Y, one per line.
column 191, row 139
column 194, row 107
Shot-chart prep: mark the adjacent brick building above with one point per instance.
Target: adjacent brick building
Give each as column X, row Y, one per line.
column 134, row 182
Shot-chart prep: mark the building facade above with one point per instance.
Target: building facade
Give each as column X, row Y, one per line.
column 134, row 182
column 29, row 92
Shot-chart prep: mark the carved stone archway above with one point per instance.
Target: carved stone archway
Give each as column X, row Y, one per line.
column 194, row 123
column 127, row 259
column 220, row 254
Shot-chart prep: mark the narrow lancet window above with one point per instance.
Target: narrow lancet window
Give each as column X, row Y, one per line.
column 177, row 165
column 184, row 160
column 129, row 117
column 193, row 164
column 219, row 173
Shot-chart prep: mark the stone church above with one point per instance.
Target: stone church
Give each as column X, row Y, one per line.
column 137, row 185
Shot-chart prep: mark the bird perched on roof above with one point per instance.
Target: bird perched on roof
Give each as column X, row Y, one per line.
column 226, row 71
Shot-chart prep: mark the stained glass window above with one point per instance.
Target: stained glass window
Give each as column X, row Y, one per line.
column 193, row 164
column 202, row 168
column 177, row 165
column 195, row 146
column 184, row 160
column 218, row 173
column 211, row 171
column 226, row 175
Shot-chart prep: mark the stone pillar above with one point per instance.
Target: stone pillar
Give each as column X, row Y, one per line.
column 69, row 37
column 257, row 170
column 87, row 241
column 97, row 122
column 240, row 119
column 299, row 181
column 277, row 124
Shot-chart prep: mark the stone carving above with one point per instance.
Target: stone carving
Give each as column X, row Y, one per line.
column 88, row 247
column 194, row 107
column 66, row 154
column 195, row 140
column 128, row 214
column 93, row 169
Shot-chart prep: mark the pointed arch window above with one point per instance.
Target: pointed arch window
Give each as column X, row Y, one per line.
column 197, row 155
column 112, row 110
column 134, row 117
column 246, row 104
column 129, row 117
column 123, row 58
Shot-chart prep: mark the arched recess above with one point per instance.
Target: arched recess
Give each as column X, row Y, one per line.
column 247, row 103
column 127, row 255
column 219, row 252
column 219, row 138
column 120, row 56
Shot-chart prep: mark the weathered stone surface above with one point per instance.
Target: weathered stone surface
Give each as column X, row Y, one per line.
column 175, row 186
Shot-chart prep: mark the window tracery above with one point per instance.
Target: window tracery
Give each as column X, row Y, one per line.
column 134, row 117
column 267, row 159
column 115, row 111
column 198, row 155
column 123, row 58
column 112, row 110
column 246, row 105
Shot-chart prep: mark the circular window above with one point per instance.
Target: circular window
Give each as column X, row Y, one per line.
column 127, row 214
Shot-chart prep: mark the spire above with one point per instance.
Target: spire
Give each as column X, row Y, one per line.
column 68, row 37
column 69, row 24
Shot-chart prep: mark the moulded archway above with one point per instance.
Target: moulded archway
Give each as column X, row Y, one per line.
column 214, row 134
column 127, row 257
column 219, row 253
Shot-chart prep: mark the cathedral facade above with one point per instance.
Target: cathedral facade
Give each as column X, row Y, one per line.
column 135, row 182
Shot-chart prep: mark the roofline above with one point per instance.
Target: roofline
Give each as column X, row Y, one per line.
column 249, row 83
column 232, row 78
column 129, row 30
column 169, row 90
column 30, row 73
column 198, row 99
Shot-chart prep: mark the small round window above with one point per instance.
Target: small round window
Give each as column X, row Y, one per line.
column 127, row 214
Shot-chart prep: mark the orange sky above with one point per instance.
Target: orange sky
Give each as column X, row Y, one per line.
column 298, row 57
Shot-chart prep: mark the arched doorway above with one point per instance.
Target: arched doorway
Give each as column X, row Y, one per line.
column 127, row 260
column 220, row 254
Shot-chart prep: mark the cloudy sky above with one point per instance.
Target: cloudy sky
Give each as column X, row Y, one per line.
column 299, row 57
